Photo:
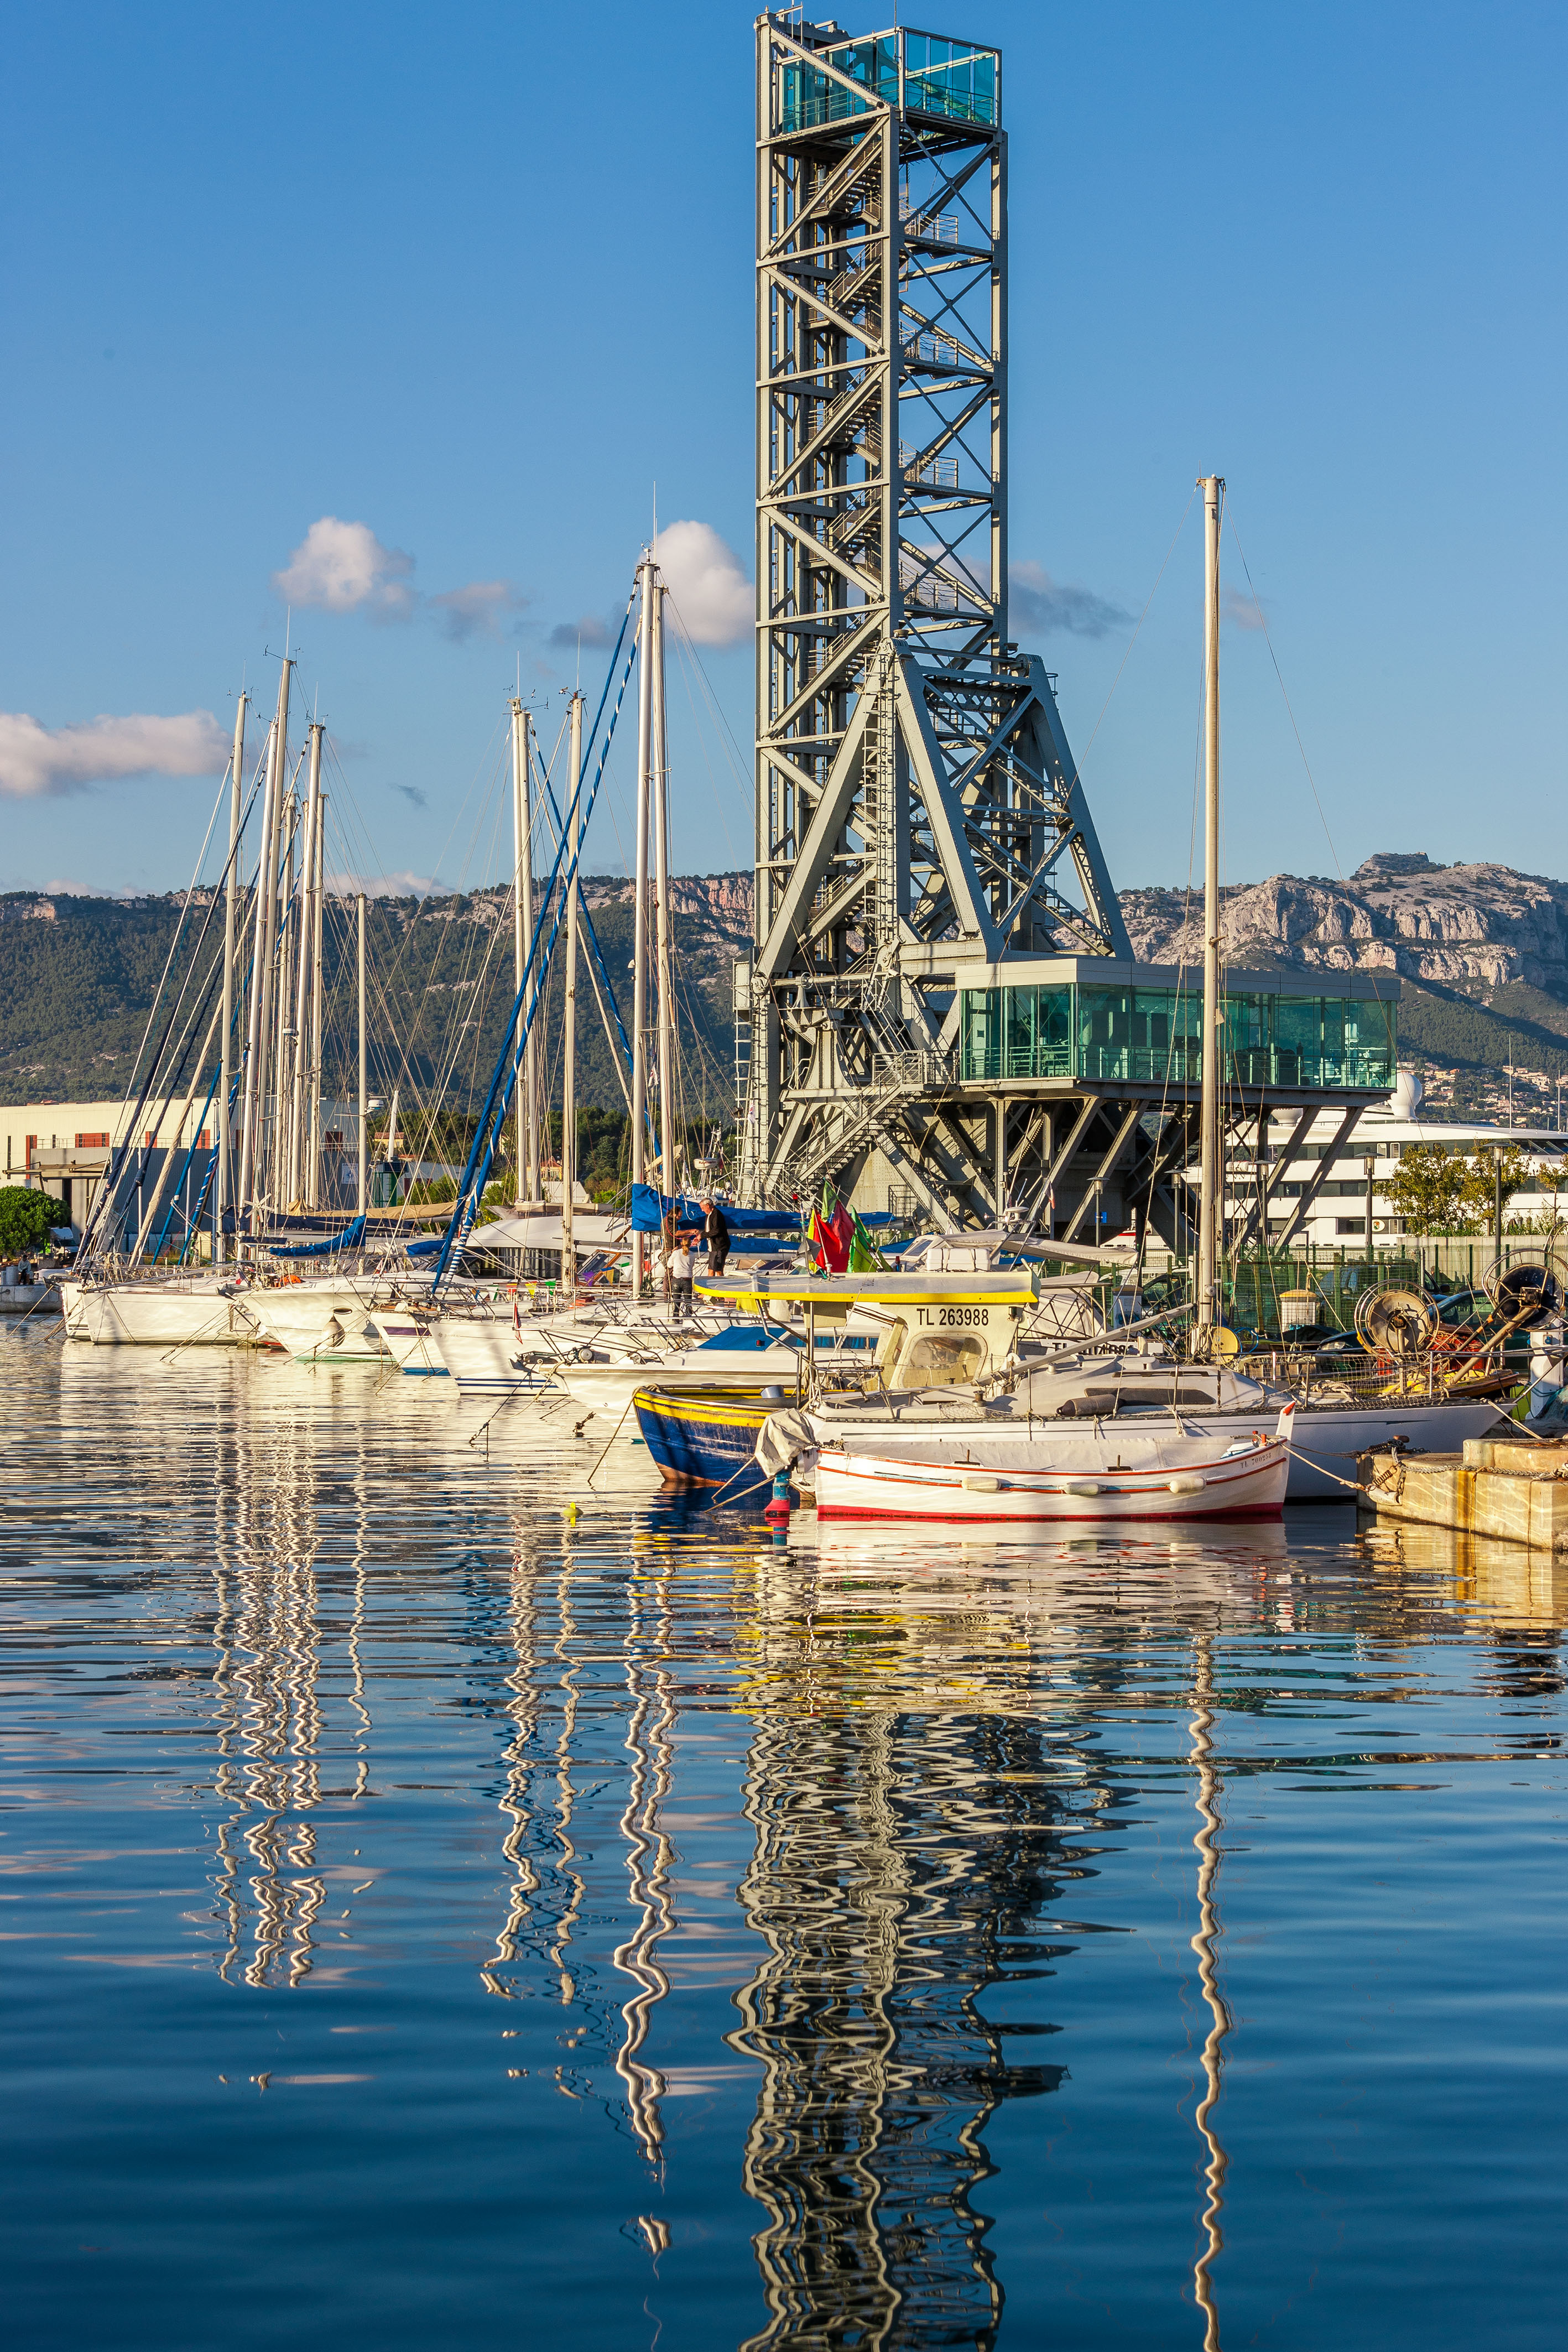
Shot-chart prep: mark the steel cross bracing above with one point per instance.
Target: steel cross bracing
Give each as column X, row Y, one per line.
column 918, row 812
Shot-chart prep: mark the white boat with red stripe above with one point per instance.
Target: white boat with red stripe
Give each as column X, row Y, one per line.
column 1114, row 1475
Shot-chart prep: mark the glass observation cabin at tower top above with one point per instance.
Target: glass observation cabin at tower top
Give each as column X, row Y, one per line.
column 921, row 73
column 1146, row 1030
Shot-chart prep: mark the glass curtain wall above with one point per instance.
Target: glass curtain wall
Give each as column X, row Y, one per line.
column 1154, row 1036
column 940, row 76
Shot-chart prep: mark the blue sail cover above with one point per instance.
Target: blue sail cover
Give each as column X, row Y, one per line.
column 650, row 1207
column 352, row 1237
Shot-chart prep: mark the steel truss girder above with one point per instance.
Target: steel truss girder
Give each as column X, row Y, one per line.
column 1057, row 1160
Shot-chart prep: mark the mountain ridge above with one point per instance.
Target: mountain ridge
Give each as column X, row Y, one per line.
column 1480, row 950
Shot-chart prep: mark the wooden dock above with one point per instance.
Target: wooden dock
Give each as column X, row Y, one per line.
column 1513, row 1489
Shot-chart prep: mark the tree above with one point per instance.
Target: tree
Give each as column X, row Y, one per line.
column 26, row 1217
column 1480, row 1179
column 1429, row 1190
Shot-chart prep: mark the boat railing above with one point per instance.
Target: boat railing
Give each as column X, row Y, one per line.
column 1422, row 1376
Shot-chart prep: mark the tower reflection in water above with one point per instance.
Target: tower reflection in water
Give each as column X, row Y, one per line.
column 908, row 1859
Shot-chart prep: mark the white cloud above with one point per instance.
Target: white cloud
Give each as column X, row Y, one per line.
column 385, row 886
column 1037, row 604
column 589, row 631
column 712, row 594
column 1242, row 612
column 477, row 608
column 338, row 567
column 36, row 759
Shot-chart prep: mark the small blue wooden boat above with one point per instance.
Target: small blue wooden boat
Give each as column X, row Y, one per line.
column 706, row 1440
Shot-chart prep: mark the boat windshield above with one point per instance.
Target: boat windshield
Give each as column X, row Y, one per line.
column 746, row 1336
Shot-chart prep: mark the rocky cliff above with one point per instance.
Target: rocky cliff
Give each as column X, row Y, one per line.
column 1475, row 929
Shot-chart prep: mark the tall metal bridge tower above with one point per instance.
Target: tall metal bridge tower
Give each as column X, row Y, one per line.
column 919, row 819
column 942, row 998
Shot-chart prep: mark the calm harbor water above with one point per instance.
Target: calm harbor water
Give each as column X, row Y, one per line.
column 442, row 1897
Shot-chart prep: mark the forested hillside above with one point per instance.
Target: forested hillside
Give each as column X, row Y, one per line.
column 79, row 977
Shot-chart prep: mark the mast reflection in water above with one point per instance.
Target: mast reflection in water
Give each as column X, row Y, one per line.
column 270, row 1718
column 1203, row 1943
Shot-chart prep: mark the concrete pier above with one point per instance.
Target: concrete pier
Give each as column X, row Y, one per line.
column 29, row 1299
column 1512, row 1489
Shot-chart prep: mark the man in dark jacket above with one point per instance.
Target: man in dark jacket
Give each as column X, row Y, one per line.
column 717, row 1233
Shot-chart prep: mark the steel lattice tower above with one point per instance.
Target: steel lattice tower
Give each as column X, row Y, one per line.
column 919, row 820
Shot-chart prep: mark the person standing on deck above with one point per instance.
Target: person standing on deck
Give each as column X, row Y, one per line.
column 680, row 1263
column 717, row 1232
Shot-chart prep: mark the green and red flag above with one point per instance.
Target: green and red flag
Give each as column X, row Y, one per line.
column 831, row 1234
column 864, row 1255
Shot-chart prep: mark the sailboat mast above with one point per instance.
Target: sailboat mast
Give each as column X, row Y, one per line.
column 318, row 894
column 568, row 1044
column 267, row 1072
column 253, row 1143
column 250, row 1109
column 281, row 1188
column 231, row 924
column 662, row 890
column 365, row 1115
column 176, row 1137
column 527, row 1184
column 304, row 933
column 1209, row 1173
column 640, row 933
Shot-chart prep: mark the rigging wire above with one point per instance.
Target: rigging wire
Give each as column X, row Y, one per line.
column 499, row 1097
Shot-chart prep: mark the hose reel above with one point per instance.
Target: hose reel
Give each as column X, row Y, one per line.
column 1395, row 1322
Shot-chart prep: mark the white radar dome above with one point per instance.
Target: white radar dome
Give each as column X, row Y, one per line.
column 1407, row 1098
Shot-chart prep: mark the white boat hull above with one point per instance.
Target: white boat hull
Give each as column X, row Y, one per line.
column 410, row 1342
column 492, row 1354
column 1183, row 1481
column 330, row 1321
column 609, row 1388
column 487, row 1353
column 29, row 1299
column 151, row 1315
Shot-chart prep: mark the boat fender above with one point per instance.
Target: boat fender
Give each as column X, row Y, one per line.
column 976, row 1486
column 1186, row 1484
column 1081, row 1487
column 778, row 1505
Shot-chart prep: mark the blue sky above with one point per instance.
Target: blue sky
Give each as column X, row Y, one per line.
column 477, row 280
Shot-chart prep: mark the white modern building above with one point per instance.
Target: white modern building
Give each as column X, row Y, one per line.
column 1311, row 1180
